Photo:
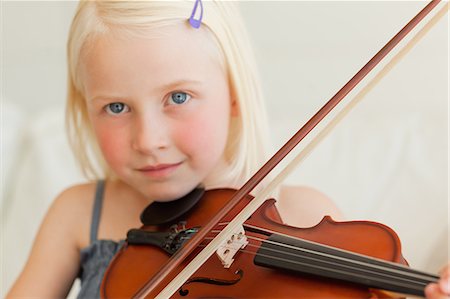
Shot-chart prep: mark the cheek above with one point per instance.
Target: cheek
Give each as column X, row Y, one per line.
column 112, row 145
column 205, row 137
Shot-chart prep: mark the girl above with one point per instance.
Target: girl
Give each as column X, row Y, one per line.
column 156, row 106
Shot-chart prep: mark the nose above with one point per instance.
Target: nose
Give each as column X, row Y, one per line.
column 150, row 134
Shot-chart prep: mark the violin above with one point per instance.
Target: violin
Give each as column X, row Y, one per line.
column 256, row 255
column 276, row 260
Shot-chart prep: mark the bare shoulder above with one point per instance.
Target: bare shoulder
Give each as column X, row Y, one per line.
column 74, row 199
column 74, row 195
column 72, row 208
column 305, row 206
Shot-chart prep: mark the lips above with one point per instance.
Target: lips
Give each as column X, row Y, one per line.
column 159, row 170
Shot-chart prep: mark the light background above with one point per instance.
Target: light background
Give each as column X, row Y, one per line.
column 387, row 161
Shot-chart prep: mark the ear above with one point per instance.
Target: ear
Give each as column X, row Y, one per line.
column 234, row 107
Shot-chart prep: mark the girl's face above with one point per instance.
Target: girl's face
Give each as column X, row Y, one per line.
column 160, row 109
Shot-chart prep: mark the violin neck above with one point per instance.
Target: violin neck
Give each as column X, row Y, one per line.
column 306, row 257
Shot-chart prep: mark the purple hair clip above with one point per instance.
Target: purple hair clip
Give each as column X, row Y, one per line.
column 196, row 22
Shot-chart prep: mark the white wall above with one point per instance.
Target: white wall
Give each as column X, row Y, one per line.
column 387, row 161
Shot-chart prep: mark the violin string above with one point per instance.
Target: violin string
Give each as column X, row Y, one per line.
column 398, row 282
column 369, row 269
column 355, row 265
column 402, row 282
column 402, row 268
column 386, row 265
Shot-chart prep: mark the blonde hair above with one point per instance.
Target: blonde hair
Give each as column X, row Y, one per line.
column 247, row 141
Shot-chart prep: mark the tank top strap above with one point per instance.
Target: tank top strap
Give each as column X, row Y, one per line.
column 97, row 210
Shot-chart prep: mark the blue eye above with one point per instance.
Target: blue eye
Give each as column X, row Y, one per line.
column 116, row 108
column 179, row 97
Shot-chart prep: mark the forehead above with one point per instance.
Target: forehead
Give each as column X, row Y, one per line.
column 160, row 54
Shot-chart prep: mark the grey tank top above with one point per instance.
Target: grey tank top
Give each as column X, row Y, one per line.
column 96, row 257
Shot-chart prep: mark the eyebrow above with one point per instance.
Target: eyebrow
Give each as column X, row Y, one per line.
column 105, row 98
column 174, row 84
column 161, row 88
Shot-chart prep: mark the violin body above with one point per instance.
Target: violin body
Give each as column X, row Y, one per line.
column 134, row 265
